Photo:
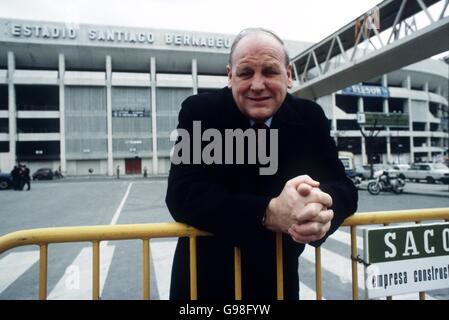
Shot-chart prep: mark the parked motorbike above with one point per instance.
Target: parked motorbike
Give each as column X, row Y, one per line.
column 357, row 181
column 385, row 181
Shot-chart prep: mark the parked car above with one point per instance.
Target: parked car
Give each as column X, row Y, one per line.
column 364, row 171
column 43, row 174
column 5, row 181
column 431, row 172
column 401, row 168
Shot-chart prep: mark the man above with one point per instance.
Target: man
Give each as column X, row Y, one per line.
column 306, row 199
column 26, row 178
column 15, row 174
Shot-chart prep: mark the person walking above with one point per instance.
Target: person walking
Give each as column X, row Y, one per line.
column 15, row 174
column 26, row 179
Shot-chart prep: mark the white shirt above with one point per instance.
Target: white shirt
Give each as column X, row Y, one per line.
column 267, row 122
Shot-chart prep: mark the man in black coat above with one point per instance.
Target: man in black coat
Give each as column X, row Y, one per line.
column 302, row 191
column 16, row 180
column 26, row 178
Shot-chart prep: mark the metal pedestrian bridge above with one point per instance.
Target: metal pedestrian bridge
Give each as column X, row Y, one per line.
column 392, row 35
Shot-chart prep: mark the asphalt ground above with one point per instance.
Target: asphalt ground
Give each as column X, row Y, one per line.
column 102, row 201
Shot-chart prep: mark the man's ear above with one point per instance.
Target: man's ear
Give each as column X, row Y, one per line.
column 229, row 72
column 289, row 76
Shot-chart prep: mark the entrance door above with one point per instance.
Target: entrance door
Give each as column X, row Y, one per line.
column 133, row 165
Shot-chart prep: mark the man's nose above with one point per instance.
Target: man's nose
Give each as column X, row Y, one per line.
column 258, row 83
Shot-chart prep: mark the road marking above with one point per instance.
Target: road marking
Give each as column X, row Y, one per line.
column 336, row 264
column 307, row 293
column 345, row 238
column 76, row 283
column 14, row 264
column 120, row 207
column 162, row 253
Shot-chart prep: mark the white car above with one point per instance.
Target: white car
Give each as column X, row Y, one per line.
column 364, row 171
column 401, row 169
column 431, row 172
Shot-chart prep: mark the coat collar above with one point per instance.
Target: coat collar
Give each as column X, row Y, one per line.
column 290, row 113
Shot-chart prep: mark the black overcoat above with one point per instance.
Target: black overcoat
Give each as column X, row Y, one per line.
column 230, row 200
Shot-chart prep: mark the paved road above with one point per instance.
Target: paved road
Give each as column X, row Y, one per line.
column 105, row 201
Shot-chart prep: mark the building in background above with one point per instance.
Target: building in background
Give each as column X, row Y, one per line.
column 410, row 106
column 89, row 99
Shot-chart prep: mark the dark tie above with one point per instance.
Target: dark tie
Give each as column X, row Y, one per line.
column 263, row 184
column 258, row 127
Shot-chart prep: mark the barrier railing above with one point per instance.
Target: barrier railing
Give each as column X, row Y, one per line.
column 386, row 217
column 95, row 234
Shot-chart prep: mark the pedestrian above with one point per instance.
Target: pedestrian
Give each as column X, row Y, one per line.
column 118, row 171
column 305, row 197
column 15, row 174
column 26, row 178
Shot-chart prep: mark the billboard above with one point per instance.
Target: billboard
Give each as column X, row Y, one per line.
column 366, row 91
column 380, row 119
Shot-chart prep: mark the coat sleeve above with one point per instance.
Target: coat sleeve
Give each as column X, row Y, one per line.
column 331, row 174
column 196, row 196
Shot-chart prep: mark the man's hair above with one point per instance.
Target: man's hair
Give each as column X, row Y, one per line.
column 248, row 31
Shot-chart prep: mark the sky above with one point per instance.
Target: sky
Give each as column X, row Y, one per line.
column 302, row 20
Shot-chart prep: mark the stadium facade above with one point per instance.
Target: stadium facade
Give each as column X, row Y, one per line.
column 88, row 99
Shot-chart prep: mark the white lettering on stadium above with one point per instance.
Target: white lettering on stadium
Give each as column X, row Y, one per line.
column 18, row 30
column 367, row 90
column 196, row 41
column 120, row 36
column 115, row 35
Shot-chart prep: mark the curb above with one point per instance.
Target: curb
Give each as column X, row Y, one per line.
column 427, row 194
column 439, row 194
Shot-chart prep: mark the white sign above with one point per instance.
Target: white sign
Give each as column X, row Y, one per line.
column 392, row 278
column 361, row 118
column 406, row 259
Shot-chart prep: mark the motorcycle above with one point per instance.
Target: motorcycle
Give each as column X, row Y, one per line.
column 385, row 181
column 357, row 181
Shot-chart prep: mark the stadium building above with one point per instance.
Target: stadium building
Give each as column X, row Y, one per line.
column 88, row 99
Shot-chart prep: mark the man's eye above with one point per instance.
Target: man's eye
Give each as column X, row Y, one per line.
column 271, row 72
column 244, row 73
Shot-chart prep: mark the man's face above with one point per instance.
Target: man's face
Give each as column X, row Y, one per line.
column 258, row 77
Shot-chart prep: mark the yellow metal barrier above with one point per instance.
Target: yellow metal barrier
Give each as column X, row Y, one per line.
column 95, row 234
column 387, row 217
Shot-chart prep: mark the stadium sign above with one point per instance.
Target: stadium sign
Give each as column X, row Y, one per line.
column 366, row 91
column 380, row 119
column 130, row 114
column 88, row 34
column 406, row 259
